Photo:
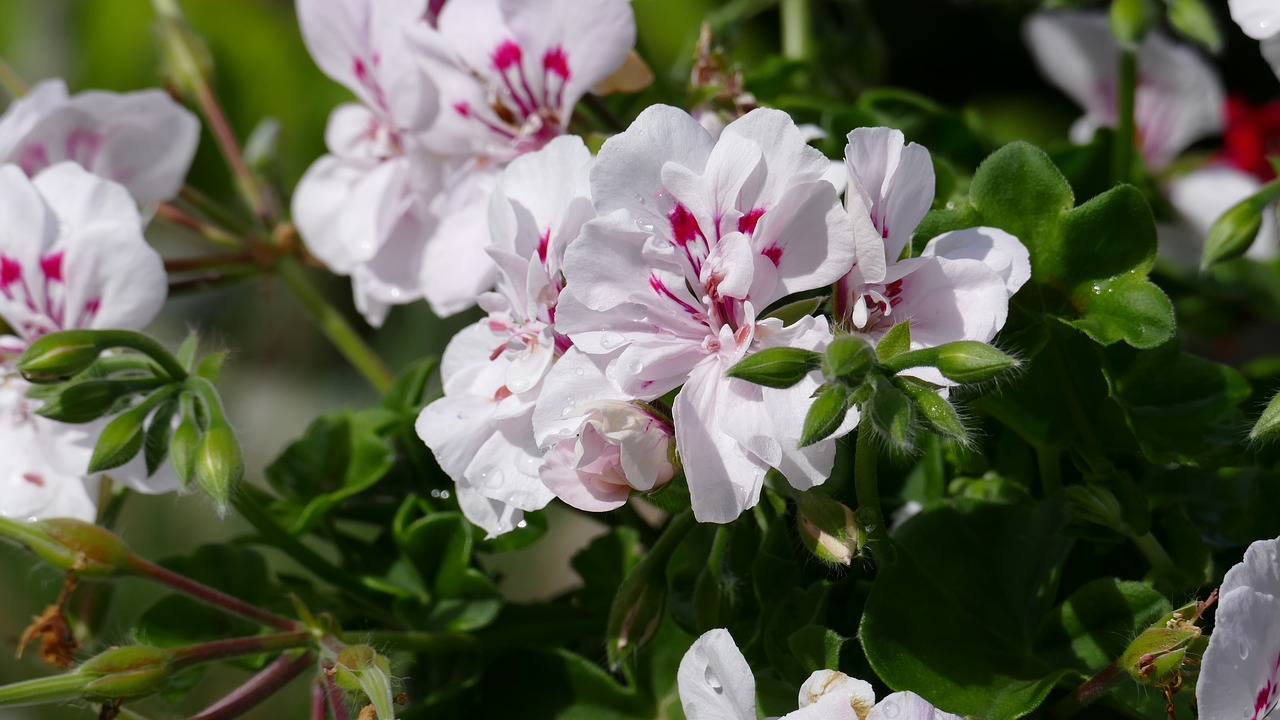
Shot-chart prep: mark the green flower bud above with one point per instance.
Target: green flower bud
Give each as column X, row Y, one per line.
column 89, row 400
column 935, row 408
column 186, row 59
column 848, row 360
column 1130, row 21
column 894, row 342
column 1269, row 423
column 1157, row 656
column 127, row 672
column 87, row 549
column 1232, row 234
column 829, row 529
column 1193, row 19
column 1098, row 505
column 892, row 414
column 218, row 466
column 826, row 414
column 776, row 367
column 119, row 442
column 969, row 361
column 184, row 443
column 59, row 356
column 635, row 617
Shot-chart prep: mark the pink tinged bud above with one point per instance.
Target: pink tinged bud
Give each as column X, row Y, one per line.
column 507, row 54
column 556, row 61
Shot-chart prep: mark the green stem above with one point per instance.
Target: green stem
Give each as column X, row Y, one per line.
column 185, row 657
column 1155, row 554
column 1126, row 90
column 43, row 690
column 796, row 24
column 866, row 486
column 1092, row 689
column 285, row 541
column 11, row 80
column 145, row 345
column 335, row 326
column 413, row 641
column 1050, row 466
column 212, row 233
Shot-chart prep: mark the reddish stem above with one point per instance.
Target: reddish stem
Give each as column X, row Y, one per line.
column 184, row 657
column 258, row 688
column 215, row 598
column 179, row 265
column 337, row 698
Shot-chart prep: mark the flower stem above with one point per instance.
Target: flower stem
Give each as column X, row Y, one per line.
column 258, row 688
column 1126, row 90
column 866, row 486
column 210, row 232
column 185, row 657
column 337, row 698
column 55, row 688
column 213, row 597
column 335, row 326
column 796, row 23
column 1155, row 554
column 1092, row 689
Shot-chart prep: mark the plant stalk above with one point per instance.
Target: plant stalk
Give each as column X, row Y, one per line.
column 212, row 597
column 796, row 24
column 1092, row 689
column 335, row 326
column 1125, row 141
column 258, row 688
column 185, row 657
column 866, row 486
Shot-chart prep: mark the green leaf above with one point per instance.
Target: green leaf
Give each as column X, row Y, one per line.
column 1193, row 20
column 406, row 392
column 1093, row 626
column 342, row 454
column 556, row 683
column 211, row 366
column 1181, row 408
column 848, row 360
column 156, row 445
column 776, row 367
column 1128, row 308
column 897, row 340
column 794, row 311
column 955, row 617
column 816, row 647
column 440, row 548
column 1019, row 190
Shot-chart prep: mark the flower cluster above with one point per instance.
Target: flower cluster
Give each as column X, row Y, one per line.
column 640, row 277
column 448, row 96
column 72, row 255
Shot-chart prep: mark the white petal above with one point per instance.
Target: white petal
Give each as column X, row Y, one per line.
column 825, row 684
column 715, row 681
column 908, row 706
column 628, row 170
column 1258, row 571
column 34, row 453
column 1240, row 671
column 561, row 475
column 1076, row 52
column 993, row 247
column 1259, row 19
column 26, row 112
column 948, row 300
column 894, row 182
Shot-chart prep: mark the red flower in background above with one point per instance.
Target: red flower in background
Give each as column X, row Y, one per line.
column 1252, row 133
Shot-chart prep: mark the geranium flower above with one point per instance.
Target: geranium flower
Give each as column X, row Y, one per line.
column 364, row 209
column 142, row 140
column 1260, row 20
column 960, row 285
column 600, row 444
column 72, row 255
column 697, row 238
column 715, row 683
column 1179, row 97
column 481, row 431
column 510, row 74
column 1240, row 671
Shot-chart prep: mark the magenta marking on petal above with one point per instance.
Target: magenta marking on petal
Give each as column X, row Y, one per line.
column 82, row 146
column 507, row 54
column 774, row 253
column 10, row 271
column 51, row 266
column 33, row 159
column 684, row 226
column 557, row 61
column 543, row 242
column 362, row 72
column 747, row 223
column 462, row 108
column 661, row 288
column 34, row 478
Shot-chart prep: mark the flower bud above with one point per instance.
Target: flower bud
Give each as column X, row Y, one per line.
column 826, row 414
column 120, row 440
column 88, row 400
column 892, row 414
column 59, row 356
column 824, row 683
column 127, row 672
column 87, row 549
column 186, row 59
column 935, row 408
column 183, row 445
column 634, row 618
column 1192, row 19
column 1233, row 233
column 1130, row 21
column 218, row 466
column 969, row 361
column 848, row 359
column 829, row 529
column 1096, row 504
column 1269, row 423
column 776, row 367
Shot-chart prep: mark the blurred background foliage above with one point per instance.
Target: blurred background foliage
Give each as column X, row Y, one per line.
column 965, row 85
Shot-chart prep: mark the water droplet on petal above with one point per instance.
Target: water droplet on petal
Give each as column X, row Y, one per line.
column 579, row 372
column 444, row 494
column 712, row 681
column 645, row 225
column 636, row 366
column 1244, row 651
column 522, row 524
column 891, row 709
column 611, row 340
column 639, row 198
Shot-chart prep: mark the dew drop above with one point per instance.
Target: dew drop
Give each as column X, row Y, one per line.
column 579, row 372
column 713, row 682
column 644, row 224
column 1244, row 651
column 639, row 198
column 1097, row 289
column 522, row 524
column 444, row 494
column 565, row 412
column 519, row 384
column 610, row 341
column 664, row 201
column 891, row 709
column 636, row 366
column 395, row 293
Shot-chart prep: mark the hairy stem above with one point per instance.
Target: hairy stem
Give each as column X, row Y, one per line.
column 210, row 232
column 212, row 597
column 335, row 326
column 795, row 29
column 866, row 486
column 185, row 657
